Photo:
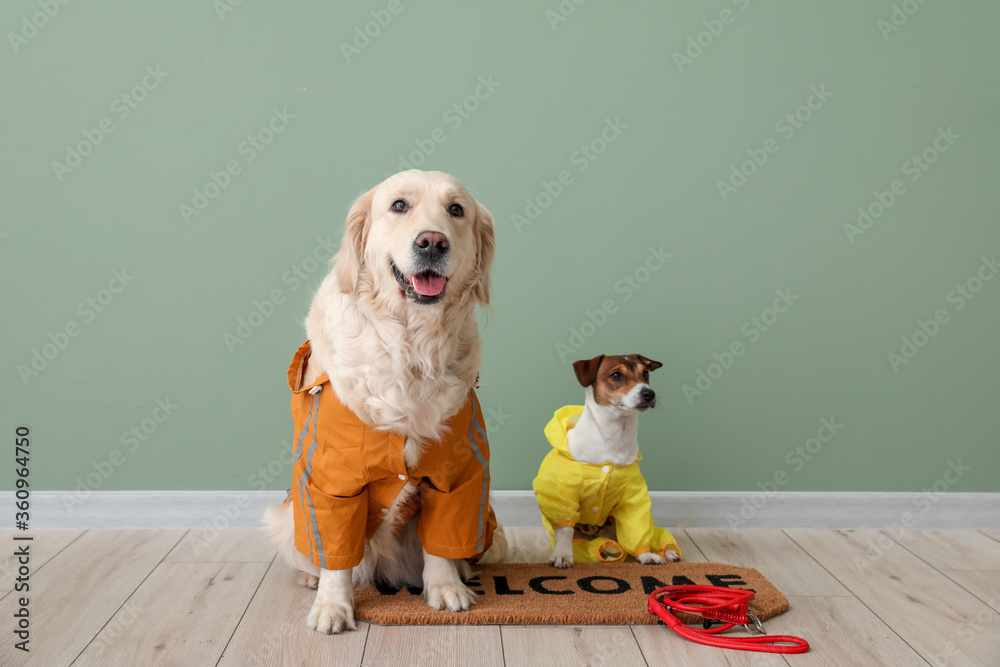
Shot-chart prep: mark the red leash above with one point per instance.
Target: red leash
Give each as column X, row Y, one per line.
column 725, row 606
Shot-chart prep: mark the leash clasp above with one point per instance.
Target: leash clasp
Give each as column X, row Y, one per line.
column 758, row 628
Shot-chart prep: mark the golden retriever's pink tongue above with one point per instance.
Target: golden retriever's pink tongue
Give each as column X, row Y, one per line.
column 428, row 285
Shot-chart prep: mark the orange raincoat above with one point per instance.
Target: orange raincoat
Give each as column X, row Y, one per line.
column 347, row 474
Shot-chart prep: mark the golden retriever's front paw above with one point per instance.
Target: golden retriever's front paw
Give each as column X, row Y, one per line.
column 649, row 558
column 330, row 619
column 450, row 596
column 562, row 561
column 308, row 580
column 672, row 556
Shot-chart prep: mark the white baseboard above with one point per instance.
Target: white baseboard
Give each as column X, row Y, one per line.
column 704, row 509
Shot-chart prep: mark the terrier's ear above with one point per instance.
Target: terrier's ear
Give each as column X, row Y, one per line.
column 586, row 370
column 649, row 363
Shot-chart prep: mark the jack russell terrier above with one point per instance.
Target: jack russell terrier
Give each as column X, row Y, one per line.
column 590, row 484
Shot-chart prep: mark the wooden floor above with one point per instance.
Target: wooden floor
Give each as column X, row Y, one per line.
column 189, row 598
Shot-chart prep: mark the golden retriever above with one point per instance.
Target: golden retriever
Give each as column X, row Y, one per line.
column 393, row 325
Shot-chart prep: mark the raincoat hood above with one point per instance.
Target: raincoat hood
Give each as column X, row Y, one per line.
column 557, row 430
column 570, row 492
column 563, row 420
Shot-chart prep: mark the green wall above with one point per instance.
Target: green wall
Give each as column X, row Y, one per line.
column 645, row 132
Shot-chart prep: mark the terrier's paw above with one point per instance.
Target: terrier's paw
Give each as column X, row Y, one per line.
column 330, row 618
column 649, row 558
column 308, row 580
column 562, row 561
column 672, row 556
column 450, row 596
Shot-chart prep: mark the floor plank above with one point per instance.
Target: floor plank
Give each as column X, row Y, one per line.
column 662, row 646
column 81, row 588
column 985, row 585
column 772, row 554
column 932, row 614
column 437, row 645
column 273, row 631
column 230, row 546
column 841, row 631
column 917, row 595
column 183, row 614
column 45, row 545
column 569, row 645
column 952, row 549
column 690, row 552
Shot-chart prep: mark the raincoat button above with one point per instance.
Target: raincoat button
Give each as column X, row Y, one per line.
column 385, row 510
column 596, row 509
column 402, row 477
column 606, row 469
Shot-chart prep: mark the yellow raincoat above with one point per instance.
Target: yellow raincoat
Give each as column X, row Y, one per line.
column 570, row 492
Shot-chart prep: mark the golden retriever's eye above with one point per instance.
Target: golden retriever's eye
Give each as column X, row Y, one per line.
column 617, row 377
column 456, row 210
column 399, row 206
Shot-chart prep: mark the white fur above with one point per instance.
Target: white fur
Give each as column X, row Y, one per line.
column 604, row 434
column 562, row 550
column 443, row 587
column 649, row 558
column 333, row 609
column 398, row 365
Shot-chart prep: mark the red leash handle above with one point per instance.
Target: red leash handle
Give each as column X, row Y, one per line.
column 716, row 604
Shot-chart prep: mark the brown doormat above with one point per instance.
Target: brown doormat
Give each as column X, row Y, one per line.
column 587, row 593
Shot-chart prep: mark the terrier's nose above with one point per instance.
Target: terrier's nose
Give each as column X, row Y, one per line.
column 647, row 395
column 431, row 245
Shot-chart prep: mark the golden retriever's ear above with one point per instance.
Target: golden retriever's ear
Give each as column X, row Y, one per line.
column 586, row 370
column 352, row 247
column 485, row 246
column 648, row 363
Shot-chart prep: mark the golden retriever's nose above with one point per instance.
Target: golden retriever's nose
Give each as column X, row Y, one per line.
column 431, row 245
